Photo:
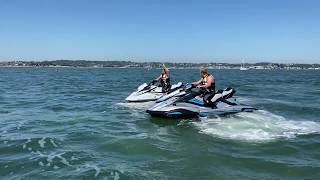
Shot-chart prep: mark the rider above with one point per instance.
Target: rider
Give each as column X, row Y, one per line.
column 206, row 84
column 164, row 78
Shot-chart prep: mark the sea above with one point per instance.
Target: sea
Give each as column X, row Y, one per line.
column 74, row 123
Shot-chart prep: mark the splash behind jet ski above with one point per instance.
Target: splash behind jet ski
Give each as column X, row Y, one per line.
column 151, row 92
column 184, row 104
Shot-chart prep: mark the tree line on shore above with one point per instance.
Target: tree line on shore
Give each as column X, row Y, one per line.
column 87, row 63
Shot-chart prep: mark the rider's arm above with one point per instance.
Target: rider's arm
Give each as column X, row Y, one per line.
column 196, row 83
column 166, row 70
column 157, row 79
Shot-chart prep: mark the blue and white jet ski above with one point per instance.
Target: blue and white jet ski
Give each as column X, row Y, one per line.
column 150, row 92
column 182, row 103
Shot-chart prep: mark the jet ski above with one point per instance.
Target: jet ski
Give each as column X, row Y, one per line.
column 151, row 92
column 182, row 103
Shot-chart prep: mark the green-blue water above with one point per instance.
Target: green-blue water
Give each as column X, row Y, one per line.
column 69, row 123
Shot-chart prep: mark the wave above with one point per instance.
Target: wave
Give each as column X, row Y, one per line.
column 138, row 105
column 259, row 126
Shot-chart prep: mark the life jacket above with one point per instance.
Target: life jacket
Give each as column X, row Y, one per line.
column 165, row 82
column 204, row 81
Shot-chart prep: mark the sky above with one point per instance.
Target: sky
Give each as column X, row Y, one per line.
column 284, row 31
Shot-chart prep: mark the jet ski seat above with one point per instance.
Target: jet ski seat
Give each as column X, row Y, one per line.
column 212, row 98
column 228, row 93
column 175, row 87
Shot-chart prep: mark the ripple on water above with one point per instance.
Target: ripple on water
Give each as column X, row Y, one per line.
column 138, row 106
column 73, row 123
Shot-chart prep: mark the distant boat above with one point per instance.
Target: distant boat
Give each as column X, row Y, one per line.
column 242, row 68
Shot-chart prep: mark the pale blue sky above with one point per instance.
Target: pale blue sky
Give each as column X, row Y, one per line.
column 155, row 30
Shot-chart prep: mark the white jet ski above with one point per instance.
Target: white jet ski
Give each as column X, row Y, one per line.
column 150, row 92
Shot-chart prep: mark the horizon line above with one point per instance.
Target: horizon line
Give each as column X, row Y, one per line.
column 156, row 61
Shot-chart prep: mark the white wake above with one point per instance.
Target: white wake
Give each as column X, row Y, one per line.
column 256, row 126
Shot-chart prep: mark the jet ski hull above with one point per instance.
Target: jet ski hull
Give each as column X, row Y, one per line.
column 179, row 113
column 189, row 110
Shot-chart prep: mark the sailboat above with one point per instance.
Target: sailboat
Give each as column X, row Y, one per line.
column 243, row 68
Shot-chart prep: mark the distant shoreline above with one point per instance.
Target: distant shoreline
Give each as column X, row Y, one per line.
column 74, row 67
column 155, row 65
